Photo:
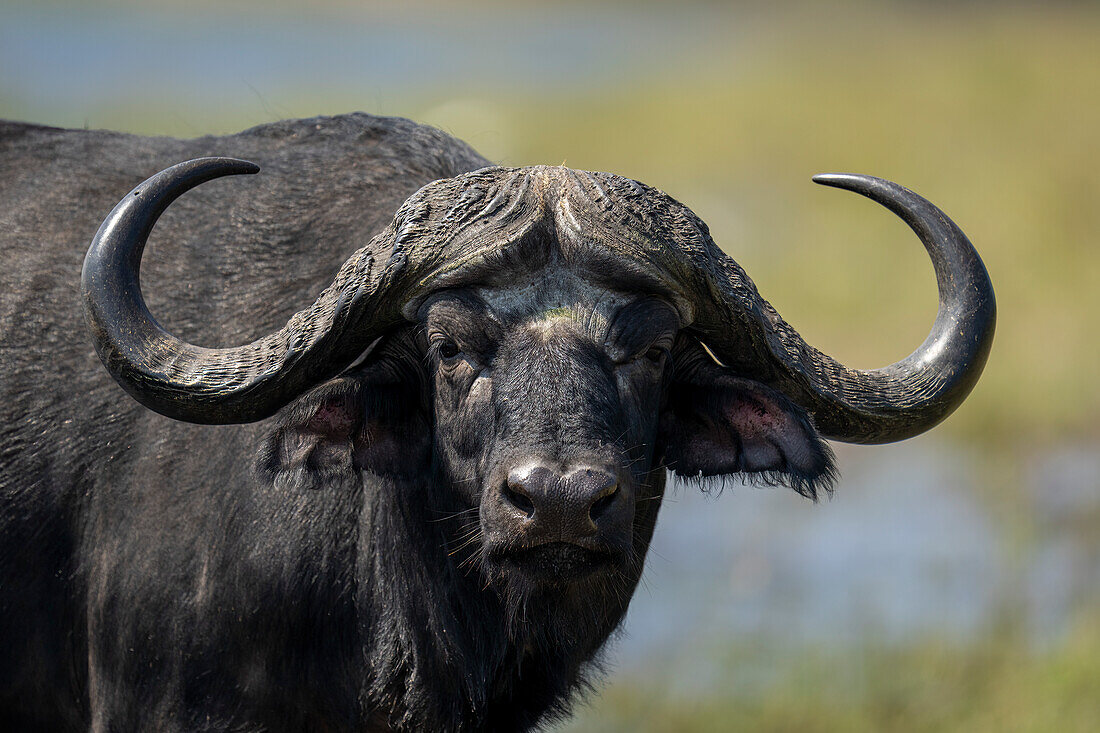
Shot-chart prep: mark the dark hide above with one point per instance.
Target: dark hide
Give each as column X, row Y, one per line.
column 109, row 513
column 338, row 566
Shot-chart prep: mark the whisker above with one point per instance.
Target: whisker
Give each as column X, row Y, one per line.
column 463, row 546
column 454, row 515
column 472, row 561
column 466, row 540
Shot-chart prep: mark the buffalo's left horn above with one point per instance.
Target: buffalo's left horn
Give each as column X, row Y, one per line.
column 909, row 396
column 232, row 385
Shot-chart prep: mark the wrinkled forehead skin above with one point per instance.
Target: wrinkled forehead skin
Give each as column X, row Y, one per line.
column 492, row 226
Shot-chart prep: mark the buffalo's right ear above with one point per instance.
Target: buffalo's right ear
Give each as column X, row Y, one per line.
column 717, row 424
column 370, row 420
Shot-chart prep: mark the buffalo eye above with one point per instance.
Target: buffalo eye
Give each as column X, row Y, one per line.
column 652, row 357
column 448, row 351
column 451, row 355
column 655, row 355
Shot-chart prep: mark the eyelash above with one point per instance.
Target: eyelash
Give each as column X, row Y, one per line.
column 655, row 354
column 448, row 350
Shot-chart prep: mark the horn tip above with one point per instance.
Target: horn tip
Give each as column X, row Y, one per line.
column 215, row 165
column 842, row 180
column 237, row 166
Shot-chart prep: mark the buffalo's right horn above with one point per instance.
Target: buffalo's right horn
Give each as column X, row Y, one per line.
column 232, row 385
column 909, row 396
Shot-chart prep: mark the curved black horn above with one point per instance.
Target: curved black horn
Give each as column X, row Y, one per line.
column 196, row 384
column 910, row 396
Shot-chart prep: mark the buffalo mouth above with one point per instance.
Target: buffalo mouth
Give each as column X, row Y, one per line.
column 555, row 562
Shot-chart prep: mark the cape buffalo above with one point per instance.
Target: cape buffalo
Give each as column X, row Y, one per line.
column 421, row 503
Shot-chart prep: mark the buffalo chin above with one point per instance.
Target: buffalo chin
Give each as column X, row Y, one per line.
column 552, row 563
column 561, row 596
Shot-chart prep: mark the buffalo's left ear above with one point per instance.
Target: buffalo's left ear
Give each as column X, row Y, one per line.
column 715, row 424
column 371, row 419
column 312, row 441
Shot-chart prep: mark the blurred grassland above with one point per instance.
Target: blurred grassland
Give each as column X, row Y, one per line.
column 989, row 686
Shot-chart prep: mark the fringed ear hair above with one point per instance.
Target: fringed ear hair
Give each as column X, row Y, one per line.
column 717, row 425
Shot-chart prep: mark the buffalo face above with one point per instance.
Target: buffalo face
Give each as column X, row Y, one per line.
column 554, row 407
column 551, row 409
column 546, row 402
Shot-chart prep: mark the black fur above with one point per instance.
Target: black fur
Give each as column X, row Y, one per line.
column 338, row 566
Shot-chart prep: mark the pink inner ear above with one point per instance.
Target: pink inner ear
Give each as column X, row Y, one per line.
column 756, row 420
column 770, row 437
column 332, row 419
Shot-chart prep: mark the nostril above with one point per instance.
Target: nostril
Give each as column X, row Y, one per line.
column 600, row 506
column 515, row 496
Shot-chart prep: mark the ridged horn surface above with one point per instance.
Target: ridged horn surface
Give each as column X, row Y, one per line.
column 202, row 385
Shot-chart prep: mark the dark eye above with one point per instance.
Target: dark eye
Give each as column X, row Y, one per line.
column 448, row 350
column 656, row 354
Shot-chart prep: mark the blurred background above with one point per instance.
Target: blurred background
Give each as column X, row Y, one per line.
column 953, row 581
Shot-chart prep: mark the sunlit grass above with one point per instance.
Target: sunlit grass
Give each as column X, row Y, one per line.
column 999, row 684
